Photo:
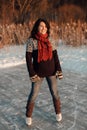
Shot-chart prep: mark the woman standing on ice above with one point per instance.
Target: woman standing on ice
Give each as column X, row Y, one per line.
column 42, row 62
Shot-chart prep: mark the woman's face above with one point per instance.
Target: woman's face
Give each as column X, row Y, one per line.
column 42, row 28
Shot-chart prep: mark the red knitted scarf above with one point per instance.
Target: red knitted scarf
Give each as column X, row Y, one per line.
column 44, row 47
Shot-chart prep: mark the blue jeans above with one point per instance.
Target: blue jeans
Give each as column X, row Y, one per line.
column 52, row 84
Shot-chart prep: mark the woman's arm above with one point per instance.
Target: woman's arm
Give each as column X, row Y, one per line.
column 29, row 50
column 30, row 64
column 57, row 65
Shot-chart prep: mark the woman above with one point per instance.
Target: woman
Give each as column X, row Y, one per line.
column 40, row 53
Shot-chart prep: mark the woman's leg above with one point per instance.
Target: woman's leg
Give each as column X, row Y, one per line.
column 32, row 97
column 52, row 82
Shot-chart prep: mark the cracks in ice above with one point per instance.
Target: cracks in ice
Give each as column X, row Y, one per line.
column 75, row 111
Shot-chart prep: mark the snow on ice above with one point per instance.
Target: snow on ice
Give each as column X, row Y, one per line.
column 71, row 58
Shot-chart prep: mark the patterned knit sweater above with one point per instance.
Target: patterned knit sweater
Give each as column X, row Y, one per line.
column 43, row 68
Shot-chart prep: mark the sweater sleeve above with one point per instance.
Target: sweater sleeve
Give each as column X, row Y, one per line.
column 57, row 62
column 29, row 50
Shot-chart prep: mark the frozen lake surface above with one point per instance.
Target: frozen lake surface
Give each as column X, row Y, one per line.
column 71, row 58
column 15, row 86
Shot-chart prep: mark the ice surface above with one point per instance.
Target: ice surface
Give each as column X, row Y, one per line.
column 71, row 58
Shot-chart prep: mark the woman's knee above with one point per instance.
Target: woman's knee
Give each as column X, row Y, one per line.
column 34, row 91
column 56, row 95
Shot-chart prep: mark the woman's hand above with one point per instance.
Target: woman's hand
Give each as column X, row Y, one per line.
column 59, row 74
column 35, row 78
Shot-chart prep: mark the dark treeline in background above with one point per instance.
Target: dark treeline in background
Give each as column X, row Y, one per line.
column 68, row 20
column 22, row 11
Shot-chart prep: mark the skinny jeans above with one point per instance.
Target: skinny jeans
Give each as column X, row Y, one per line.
column 52, row 84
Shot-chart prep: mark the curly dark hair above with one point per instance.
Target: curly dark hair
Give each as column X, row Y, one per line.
column 36, row 25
